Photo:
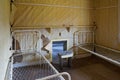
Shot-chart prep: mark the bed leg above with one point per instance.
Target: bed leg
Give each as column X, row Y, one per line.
column 61, row 63
column 69, row 61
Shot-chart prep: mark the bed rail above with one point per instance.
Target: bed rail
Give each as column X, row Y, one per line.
column 113, row 57
column 56, row 75
column 8, row 71
column 83, row 37
column 85, row 41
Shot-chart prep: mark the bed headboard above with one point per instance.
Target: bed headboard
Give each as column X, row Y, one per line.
column 83, row 37
column 25, row 40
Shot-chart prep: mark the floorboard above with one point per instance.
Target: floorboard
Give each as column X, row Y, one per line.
column 92, row 68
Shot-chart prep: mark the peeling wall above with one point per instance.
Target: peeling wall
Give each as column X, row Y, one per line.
column 4, row 37
column 53, row 35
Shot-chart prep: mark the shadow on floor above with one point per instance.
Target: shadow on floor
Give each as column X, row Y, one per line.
column 91, row 68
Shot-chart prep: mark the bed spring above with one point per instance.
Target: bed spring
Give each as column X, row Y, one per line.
column 27, row 62
column 37, row 67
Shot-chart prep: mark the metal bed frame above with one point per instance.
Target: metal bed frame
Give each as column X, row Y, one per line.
column 29, row 64
column 85, row 41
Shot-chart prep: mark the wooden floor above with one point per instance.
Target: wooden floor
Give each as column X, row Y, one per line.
column 92, row 68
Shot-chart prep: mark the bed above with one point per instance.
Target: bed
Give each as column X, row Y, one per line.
column 27, row 62
column 85, row 40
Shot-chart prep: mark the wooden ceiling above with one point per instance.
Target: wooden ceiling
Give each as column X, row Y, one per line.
column 52, row 13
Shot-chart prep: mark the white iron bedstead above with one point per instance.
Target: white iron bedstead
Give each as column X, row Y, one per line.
column 27, row 63
column 85, row 41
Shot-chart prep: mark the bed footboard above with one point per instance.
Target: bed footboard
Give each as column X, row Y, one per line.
column 28, row 63
column 39, row 69
column 56, row 75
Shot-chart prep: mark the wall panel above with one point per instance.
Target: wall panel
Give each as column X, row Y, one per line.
column 4, row 37
column 53, row 12
column 107, row 23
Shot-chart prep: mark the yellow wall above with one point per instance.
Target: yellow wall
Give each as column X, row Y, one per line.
column 119, row 20
column 106, row 15
column 52, row 13
column 4, row 37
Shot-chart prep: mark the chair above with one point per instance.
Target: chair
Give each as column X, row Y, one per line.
column 65, row 55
